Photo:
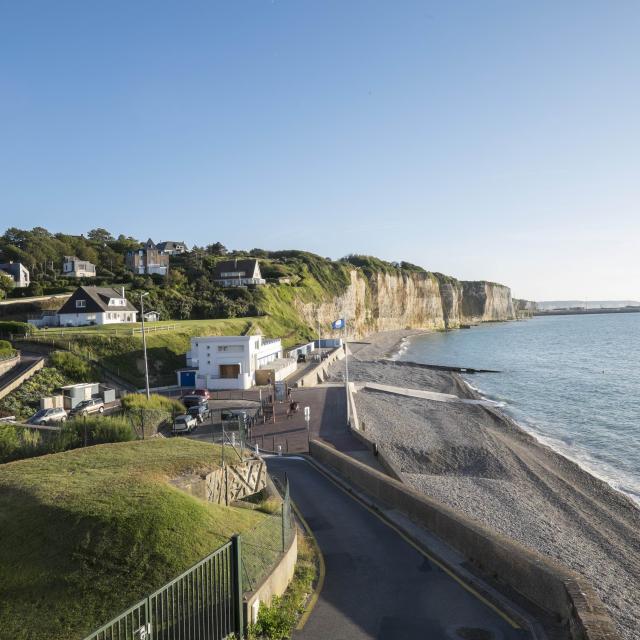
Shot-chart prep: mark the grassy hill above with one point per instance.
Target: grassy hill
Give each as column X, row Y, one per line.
column 88, row 532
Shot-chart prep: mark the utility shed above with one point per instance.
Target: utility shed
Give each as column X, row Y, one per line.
column 74, row 394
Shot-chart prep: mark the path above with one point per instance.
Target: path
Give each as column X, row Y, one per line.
column 420, row 393
column 377, row 585
column 27, row 360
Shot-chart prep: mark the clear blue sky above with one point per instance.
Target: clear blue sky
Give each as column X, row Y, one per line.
column 496, row 140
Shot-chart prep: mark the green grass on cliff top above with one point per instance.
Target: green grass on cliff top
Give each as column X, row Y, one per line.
column 87, row 533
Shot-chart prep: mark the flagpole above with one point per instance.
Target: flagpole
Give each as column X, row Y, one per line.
column 346, row 369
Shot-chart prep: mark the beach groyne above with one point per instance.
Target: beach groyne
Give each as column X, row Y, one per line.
column 381, row 301
column 540, row 580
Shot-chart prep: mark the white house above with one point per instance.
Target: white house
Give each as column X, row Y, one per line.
column 231, row 362
column 92, row 305
column 172, row 248
column 238, row 272
column 18, row 272
column 73, row 267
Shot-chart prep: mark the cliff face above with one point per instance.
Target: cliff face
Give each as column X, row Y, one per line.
column 416, row 300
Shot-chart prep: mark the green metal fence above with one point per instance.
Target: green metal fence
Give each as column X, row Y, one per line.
column 205, row 602
column 263, row 545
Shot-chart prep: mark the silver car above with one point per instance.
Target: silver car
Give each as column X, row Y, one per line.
column 48, row 416
column 93, row 405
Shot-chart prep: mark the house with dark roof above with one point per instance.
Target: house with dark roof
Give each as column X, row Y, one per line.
column 148, row 259
column 95, row 305
column 238, row 272
column 172, row 248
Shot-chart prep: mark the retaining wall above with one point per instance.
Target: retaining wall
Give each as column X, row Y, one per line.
column 319, row 374
column 25, row 375
column 228, row 484
column 539, row 579
column 8, row 363
column 275, row 584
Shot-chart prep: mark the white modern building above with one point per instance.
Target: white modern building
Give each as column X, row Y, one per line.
column 231, row 362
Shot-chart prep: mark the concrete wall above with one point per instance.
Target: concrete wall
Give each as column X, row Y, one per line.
column 21, row 378
column 275, row 584
column 539, row 579
column 8, row 364
column 224, row 486
column 318, row 374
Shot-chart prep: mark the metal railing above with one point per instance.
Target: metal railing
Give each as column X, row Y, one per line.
column 203, row 603
column 263, row 545
column 206, row 601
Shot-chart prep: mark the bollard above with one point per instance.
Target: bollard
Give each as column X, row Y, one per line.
column 279, row 449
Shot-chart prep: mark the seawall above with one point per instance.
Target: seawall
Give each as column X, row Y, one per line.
column 542, row 581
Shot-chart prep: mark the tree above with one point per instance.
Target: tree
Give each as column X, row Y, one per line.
column 217, row 249
column 100, row 235
column 6, row 284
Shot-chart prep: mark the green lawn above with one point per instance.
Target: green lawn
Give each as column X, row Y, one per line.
column 86, row 533
column 121, row 352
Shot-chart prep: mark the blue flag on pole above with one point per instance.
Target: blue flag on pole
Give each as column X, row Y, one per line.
column 338, row 324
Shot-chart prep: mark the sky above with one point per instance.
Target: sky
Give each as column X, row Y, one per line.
column 494, row 140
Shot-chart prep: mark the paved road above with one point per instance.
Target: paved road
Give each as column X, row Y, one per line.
column 377, row 585
column 27, row 360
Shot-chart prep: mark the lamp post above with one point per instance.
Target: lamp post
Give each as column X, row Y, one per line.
column 144, row 344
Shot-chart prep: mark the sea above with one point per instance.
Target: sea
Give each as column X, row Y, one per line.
column 571, row 381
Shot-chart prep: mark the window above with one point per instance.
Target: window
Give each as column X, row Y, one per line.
column 81, row 304
column 235, row 348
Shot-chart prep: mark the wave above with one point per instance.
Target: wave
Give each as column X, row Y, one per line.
column 566, row 447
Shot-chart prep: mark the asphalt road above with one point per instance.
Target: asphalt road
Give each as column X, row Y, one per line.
column 27, row 359
column 377, row 585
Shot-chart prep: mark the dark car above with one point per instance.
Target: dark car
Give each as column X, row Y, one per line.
column 194, row 401
column 202, row 393
column 302, row 357
column 200, row 412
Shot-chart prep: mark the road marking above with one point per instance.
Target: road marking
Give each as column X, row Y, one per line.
column 421, row 551
column 316, row 593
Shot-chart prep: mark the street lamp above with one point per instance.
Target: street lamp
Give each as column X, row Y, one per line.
column 144, row 345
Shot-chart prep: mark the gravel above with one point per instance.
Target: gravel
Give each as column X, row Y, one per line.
column 483, row 464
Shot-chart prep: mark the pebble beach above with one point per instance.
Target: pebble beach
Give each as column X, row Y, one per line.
column 478, row 460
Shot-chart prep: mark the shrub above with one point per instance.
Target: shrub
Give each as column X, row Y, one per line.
column 72, row 366
column 17, row 443
column 100, row 429
column 26, row 398
column 145, row 416
column 13, row 327
column 6, row 350
column 275, row 622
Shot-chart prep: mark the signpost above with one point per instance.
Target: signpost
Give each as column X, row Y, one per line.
column 307, row 418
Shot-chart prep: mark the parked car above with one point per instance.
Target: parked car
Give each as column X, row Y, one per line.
column 184, row 423
column 302, row 357
column 202, row 392
column 200, row 412
column 194, row 401
column 93, row 405
column 48, row 416
column 234, row 414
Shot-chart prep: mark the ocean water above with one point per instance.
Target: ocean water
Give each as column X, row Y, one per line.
column 572, row 381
